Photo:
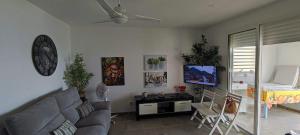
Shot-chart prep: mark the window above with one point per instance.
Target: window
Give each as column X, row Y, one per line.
column 243, row 51
column 244, row 59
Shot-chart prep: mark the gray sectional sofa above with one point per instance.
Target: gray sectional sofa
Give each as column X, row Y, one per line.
column 49, row 113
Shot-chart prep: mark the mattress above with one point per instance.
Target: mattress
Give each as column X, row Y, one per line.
column 275, row 87
column 273, row 93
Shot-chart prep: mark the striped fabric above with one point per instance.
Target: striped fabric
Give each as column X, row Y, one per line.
column 67, row 128
column 85, row 109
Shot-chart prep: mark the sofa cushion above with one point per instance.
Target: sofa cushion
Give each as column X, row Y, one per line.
column 68, row 101
column 100, row 105
column 39, row 119
column 101, row 117
column 92, row 130
column 85, row 109
column 3, row 131
column 67, row 128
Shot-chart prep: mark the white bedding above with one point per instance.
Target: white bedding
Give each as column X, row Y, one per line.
column 274, row 86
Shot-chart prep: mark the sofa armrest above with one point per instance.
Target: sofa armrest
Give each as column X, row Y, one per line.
column 3, row 131
column 102, row 105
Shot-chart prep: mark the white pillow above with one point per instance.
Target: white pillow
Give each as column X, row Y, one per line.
column 287, row 75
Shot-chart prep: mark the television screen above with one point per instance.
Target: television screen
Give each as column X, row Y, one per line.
column 205, row 75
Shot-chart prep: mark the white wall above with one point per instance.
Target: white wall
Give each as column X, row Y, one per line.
column 218, row 34
column 269, row 62
column 20, row 23
column 278, row 54
column 288, row 53
column 132, row 43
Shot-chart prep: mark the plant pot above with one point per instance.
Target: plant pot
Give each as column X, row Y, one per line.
column 156, row 67
column 81, row 93
column 162, row 65
column 150, row 66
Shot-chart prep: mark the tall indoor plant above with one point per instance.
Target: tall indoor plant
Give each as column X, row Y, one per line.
column 77, row 76
column 206, row 55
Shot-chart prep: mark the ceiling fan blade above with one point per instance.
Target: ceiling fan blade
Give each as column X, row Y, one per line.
column 147, row 18
column 111, row 12
column 104, row 21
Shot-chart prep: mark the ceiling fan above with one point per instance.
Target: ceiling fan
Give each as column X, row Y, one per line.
column 118, row 14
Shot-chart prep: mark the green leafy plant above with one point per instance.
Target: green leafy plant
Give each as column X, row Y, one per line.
column 162, row 58
column 76, row 74
column 202, row 54
column 150, row 61
column 156, row 61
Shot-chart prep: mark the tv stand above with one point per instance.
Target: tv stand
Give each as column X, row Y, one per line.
column 166, row 104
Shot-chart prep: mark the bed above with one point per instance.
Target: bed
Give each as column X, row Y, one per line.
column 282, row 90
column 276, row 94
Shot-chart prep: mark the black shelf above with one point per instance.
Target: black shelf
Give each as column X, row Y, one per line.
column 165, row 107
column 165, row 104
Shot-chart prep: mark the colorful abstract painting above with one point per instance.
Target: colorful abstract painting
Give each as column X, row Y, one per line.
column 113, row 71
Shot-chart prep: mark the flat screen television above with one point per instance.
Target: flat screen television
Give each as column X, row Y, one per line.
column 205, row 75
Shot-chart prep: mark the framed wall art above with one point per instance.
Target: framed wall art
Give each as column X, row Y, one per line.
column 155, row 62
column 155, row 79
column 113, row 71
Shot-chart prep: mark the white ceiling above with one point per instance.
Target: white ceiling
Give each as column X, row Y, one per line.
column 174, row 13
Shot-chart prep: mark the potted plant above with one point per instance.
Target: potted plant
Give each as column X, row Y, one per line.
column 77, row 76
column 150, row 63
column 162, row 62
column 204, row 54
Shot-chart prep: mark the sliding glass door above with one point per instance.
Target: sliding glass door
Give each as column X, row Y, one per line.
column 242, row 48
column 264, row 69
column 280, row 47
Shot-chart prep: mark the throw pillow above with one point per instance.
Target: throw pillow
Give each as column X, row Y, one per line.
column 85, row 109
column 67, row 128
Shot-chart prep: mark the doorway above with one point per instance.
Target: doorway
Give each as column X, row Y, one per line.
column 241, row 75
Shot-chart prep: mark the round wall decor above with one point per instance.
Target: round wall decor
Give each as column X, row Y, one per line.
column 44, row 55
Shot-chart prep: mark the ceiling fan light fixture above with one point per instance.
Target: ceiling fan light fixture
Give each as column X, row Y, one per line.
column 120, row 9
column 118, row 14
column 120, row 20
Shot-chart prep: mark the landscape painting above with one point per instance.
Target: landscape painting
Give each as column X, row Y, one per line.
column 155, row 62
column 113, row 71
column 155, row 79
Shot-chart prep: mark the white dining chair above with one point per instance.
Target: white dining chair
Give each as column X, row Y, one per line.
column 217, row 112
column 206, row 95
column 213, row 114
column 231, row 117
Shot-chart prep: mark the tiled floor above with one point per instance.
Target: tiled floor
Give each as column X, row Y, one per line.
column 279, row 122
column 175, row 125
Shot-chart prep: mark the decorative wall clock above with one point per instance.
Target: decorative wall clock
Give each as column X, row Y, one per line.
column 44, row 55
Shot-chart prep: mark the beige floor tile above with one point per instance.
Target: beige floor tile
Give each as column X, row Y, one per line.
column 176, row 125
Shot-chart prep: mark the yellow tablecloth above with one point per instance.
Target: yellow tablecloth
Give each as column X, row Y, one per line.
column 271, row 97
